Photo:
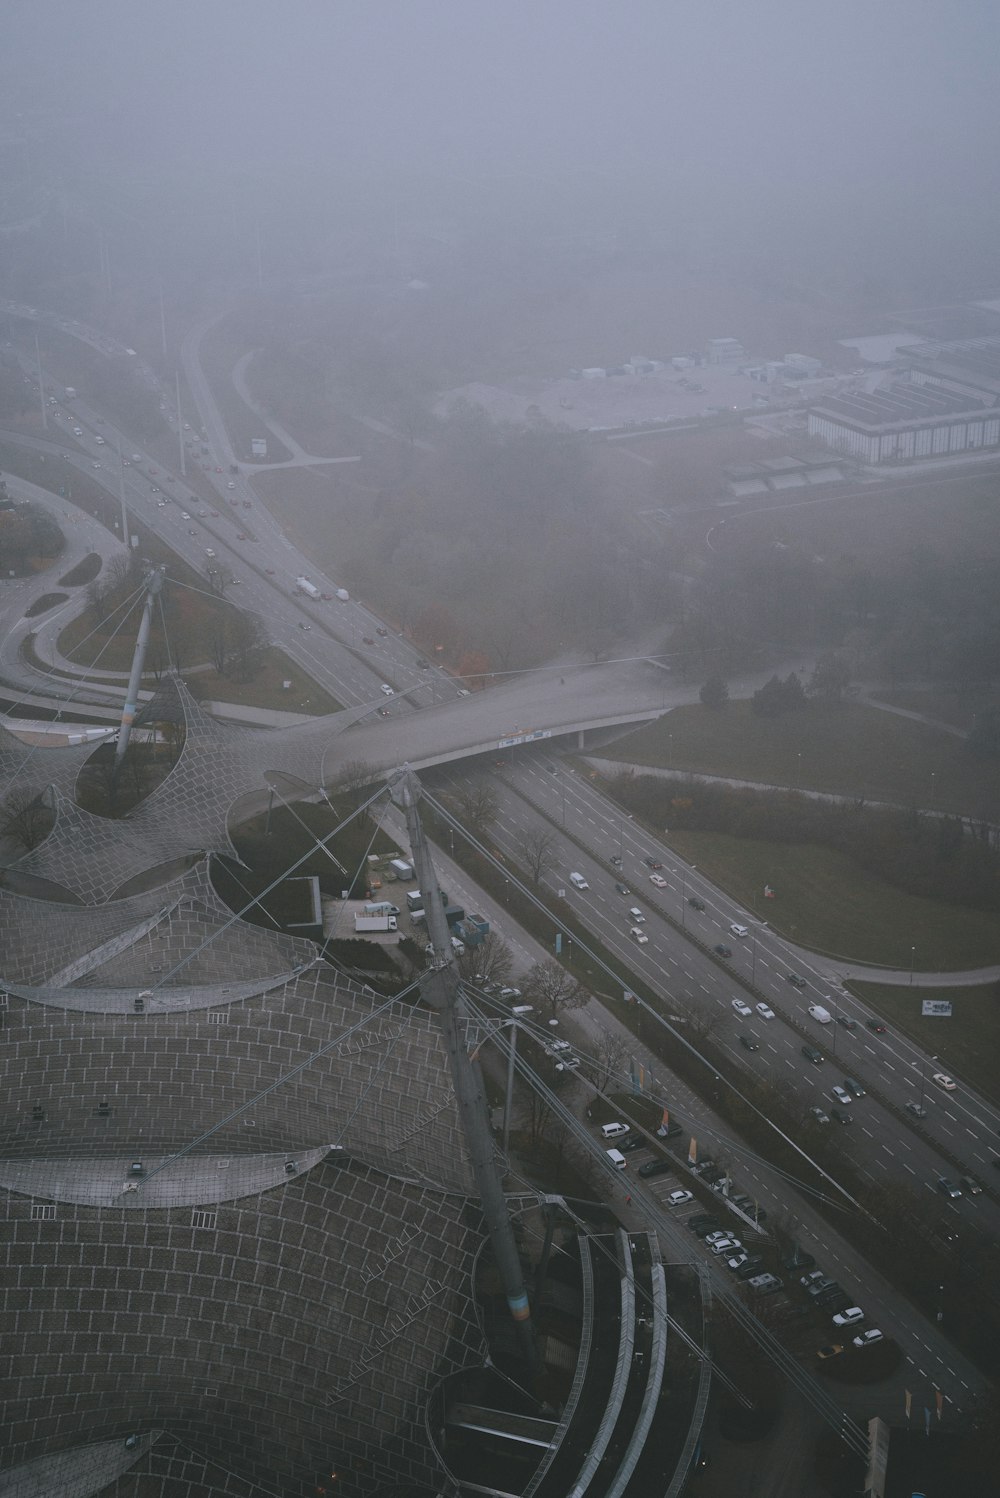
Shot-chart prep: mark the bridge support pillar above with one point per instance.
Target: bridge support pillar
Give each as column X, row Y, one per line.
column 579, row 738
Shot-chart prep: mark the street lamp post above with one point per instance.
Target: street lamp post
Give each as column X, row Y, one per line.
column 913, row 954
column 933, row 773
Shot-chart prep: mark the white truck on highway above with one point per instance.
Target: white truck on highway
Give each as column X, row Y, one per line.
column 303, row 585
column 819, row 1013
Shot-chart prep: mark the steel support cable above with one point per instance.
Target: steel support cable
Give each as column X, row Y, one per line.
column 317, row 843
column 625, row 1080
column 806, row 1385
column 239, row 914
column 130, row 603
column 675, row 1034
column 288, row 1076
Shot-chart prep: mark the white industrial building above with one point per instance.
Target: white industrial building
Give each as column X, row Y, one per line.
column 724, row 351
column 905, row 420
column 948, row 401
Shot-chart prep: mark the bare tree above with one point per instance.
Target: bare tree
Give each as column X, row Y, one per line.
column 248, row 640
column 477, row 807
column 538, row 851
column 610, row 1055
column 553, row 991
column 217, row 641
column 25, row 818
column 355, row 779
column 489, row 961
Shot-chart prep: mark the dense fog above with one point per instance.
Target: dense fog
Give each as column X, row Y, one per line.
column 801, row 136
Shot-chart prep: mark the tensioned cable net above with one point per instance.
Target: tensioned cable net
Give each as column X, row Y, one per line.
column 237, row 1195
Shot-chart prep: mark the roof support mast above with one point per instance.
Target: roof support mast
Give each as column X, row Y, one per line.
column 153, row 581
column 442, row 989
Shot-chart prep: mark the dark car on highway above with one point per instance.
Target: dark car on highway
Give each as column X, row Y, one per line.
column 723, row 951
column 652, row 863
column 795, row 980
column 811, row 1054
column 695, row 903
column 876, row 1025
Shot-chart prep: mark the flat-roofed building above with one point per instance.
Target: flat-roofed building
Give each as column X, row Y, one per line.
column 907, row 420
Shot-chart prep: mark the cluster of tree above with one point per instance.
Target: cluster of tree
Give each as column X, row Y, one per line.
column 25, row 532
column 512, row 526
column 776, row 697
column 237, row 643
column 934, row 857
column 26, row 817
column 906, row 614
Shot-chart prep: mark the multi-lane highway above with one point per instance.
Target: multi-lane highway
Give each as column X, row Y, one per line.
column 883, row 1140
column 347, row 651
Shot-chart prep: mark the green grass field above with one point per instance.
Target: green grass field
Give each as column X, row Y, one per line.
column 825, row 902
column 966, row 1043
column 847, row 748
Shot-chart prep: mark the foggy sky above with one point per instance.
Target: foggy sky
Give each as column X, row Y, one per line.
column 881, row 111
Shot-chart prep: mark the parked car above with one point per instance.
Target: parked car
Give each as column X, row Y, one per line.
column 737, row 1261
column 725, row 1246
column 764, row 1284
column 831, row 1350
column 675, row 1198
column 867, row 1338
column 634, row 1142
column 750, row 1268
column 849, row 1317
column 798, row 1261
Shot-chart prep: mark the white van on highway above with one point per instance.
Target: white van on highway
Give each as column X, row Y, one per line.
column 579, row 881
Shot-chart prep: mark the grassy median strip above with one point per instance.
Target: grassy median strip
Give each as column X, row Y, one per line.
column 965, row 1043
